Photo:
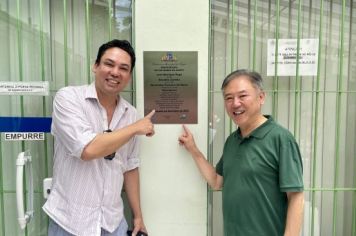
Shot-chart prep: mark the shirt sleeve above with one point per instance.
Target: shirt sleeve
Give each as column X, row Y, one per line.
column 69, row 123
column 133, row 160
column 290, row 167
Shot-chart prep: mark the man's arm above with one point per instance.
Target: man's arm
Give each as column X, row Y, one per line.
column 294, row 213
column 107, row 143
column 214, row 180
column 132, row 189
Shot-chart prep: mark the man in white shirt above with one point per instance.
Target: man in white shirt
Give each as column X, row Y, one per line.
column 96, row 151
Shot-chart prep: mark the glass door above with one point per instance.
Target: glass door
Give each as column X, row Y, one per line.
column 44, row 45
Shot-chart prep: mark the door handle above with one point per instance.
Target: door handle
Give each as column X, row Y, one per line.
column 24, row 159
column 47, row 184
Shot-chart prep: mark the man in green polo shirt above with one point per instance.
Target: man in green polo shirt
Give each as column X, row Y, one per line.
column 260, row 171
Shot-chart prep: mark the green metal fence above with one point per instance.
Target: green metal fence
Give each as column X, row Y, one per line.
column 319, row 110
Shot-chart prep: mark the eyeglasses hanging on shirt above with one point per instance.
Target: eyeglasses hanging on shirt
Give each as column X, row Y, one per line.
column 112, row 155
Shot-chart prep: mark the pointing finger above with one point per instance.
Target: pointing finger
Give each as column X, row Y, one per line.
column 150, row 115
column 186, row 130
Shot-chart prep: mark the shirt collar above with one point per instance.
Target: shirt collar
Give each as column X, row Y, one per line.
column 260, row 131
column 91, row 93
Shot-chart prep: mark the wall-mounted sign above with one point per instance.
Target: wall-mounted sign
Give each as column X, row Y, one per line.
column 287, row 57
column 25, row 128
column 24, row 136
column 171, row 86
column 39, row 88
column 25, row 124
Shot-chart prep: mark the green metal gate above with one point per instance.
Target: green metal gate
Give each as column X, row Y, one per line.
column 319, row 110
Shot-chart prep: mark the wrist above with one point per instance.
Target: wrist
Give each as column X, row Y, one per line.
column 196, row 153
column 133, row 129
column 139, row 217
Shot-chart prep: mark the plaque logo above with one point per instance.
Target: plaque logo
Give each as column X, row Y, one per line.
column 183, row 116
column 169, row 56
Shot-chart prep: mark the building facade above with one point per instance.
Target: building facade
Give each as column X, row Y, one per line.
column 54, row 43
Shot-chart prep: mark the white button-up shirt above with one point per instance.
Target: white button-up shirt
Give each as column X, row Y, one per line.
column 86, row 195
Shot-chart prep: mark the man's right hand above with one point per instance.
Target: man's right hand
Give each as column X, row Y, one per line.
column 145, row 125
column 186, row 139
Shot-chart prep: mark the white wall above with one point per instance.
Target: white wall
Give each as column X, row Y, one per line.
column 173, row 194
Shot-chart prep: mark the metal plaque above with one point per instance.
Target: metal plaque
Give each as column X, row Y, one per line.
column 171, row 86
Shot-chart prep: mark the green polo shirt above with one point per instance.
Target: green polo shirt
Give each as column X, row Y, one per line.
column 258, row 170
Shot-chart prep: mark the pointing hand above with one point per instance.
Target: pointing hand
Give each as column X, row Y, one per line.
column 145, row 126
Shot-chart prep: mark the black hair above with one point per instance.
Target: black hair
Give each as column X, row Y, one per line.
column 116, row 43
column 254, row 77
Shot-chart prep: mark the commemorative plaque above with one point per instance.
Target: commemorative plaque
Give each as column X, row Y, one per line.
column 170, row 86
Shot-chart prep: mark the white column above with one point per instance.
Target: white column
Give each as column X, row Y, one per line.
column 173, row 194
